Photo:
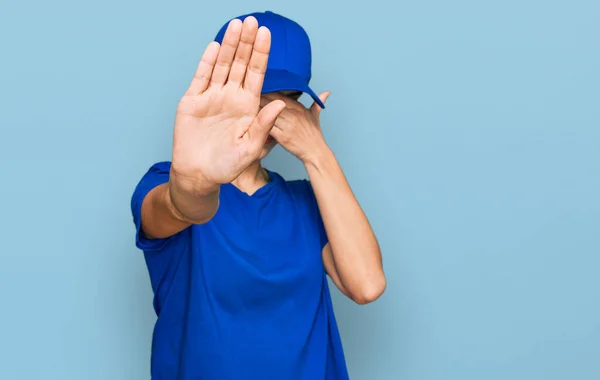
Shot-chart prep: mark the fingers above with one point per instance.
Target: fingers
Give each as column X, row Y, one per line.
column 263, row 123
column 277, row 134
column 244, row 50
column 286, row 116
column 236, row 56
column 204, row 70
column 255, row 74
column 315, row 108
column 227, row 52
column 286, row 119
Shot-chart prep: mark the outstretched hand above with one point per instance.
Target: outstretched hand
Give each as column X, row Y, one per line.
column 219, row 129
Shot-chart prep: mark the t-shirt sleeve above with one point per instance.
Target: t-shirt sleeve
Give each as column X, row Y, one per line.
column 317, row 214
column 155, row 176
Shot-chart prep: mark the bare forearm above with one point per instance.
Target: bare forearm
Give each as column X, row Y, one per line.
column 356, row 252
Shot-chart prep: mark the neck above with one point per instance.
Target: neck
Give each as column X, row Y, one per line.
column 252, row 179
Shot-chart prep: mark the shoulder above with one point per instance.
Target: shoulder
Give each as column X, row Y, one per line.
column 301, row 189
column 162, row 167
column 301, row 186
column 298, row 188
column 155, row 175
column 302, row 192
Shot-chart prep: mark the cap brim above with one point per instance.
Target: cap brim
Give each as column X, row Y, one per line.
column 281, row 80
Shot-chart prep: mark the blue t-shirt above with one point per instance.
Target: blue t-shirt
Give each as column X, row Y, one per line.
column 244, row 296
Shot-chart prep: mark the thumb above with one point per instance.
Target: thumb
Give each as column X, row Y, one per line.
column 315, row 108
column 263, row 122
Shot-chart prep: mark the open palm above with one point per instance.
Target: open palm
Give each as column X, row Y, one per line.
column 219, row 130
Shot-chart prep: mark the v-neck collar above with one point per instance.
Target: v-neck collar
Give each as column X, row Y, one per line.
column 262, row 191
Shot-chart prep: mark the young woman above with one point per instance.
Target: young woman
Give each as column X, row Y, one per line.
column 239, row 257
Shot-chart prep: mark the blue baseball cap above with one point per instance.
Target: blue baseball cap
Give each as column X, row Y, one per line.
column 289, row 65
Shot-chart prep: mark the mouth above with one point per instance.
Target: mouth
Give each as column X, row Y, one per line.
column 269, row 140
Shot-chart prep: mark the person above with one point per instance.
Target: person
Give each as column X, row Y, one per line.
column 237, row 256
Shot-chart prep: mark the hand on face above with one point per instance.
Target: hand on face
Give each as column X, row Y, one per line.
column 297, row 129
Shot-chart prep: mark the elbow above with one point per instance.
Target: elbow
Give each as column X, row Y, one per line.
column 370, row 292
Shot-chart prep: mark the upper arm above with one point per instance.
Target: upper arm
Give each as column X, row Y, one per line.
column 326, row 252
column 146, row 208
column 308, row 196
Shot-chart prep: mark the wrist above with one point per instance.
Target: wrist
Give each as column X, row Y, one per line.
column 318, row 157
column 172, row 202
column 190, row 207
column 194, row 185
column 191, row 199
